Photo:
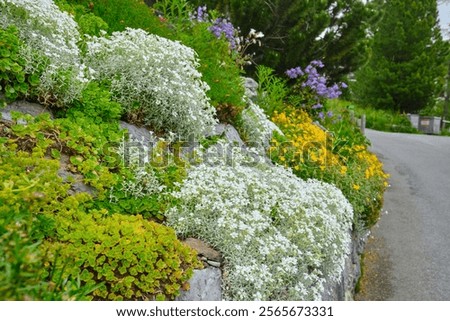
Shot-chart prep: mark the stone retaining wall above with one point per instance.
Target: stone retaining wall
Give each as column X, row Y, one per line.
column 206, row 284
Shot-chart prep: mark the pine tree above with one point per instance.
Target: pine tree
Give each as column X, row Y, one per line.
column 299, row 31
column 407, row 57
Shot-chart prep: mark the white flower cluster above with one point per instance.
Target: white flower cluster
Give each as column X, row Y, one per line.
column 155, row 77
column 281, row 237
column 256, row 125
column 53, row 34
column 144, row 182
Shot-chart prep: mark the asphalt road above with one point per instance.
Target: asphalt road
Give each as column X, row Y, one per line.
column 408, row 253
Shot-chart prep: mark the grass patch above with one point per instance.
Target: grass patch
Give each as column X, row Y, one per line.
column 382, row 120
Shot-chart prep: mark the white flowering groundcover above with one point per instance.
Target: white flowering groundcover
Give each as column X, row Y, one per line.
column 156, row 77
column 257, row 126
column 281, row 237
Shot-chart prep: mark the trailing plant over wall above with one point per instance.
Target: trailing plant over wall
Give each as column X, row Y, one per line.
column 281, row 237
column 129, row 257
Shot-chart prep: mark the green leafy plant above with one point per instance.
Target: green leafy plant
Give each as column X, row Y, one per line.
column 384, row 120
column 51, row 38
column 29, row 193
column 96, row 104
column 57, row 245
column 15, row 81
column 272, row 90
column 218, row 69
column 88, row 22
column 130, row 257
column 174, row 9
column 120, row 14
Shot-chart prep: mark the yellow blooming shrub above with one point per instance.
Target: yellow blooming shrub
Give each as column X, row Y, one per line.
column 304, row 146
column 340, row 158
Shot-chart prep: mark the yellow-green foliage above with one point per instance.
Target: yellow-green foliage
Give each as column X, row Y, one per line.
column 131, row 257
column 60, row 238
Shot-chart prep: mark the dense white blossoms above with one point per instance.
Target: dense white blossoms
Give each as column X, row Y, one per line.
column 52, row 34
column 281, row 237
column 257, row 126
column 154, row 77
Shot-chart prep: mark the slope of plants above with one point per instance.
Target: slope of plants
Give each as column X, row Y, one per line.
column 89, row 213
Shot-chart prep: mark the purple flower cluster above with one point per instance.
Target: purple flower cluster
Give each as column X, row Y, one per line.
column 322, row 115
column 294, row 73
column 224, row 27
column 316, row 81
column 201, row 14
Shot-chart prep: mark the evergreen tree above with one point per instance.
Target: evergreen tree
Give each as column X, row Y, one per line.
column 407, row 57
column 299, row 31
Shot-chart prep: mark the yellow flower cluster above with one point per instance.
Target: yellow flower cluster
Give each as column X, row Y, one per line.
column 367, row 161
column 311, row 152
column 303, row 144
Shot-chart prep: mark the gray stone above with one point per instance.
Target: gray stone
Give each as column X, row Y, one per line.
column 77, row 186
column 251, row 88
column 24, row 107
column 139, row 134
column 230, row 133
column 203, row 249
column 205, row 285
column 214, row 264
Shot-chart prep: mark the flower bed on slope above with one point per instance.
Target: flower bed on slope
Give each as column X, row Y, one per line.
column 281, row 236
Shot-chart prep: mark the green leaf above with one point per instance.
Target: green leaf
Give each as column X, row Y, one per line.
column 160, row 297
column 5, row 65
column 33, row 80
column 20, row 77
column 56, row 153
column 10, row 89
column 5, row 52
column 16, row 68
